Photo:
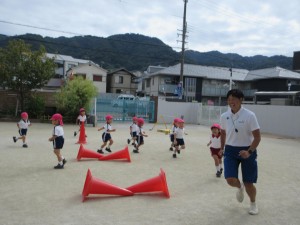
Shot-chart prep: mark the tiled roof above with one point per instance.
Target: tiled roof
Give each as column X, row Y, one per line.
column 274, row 72
column 66, row 58
column 223, row 73
column 219, row 73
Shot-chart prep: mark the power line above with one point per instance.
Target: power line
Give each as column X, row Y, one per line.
column 67, row 32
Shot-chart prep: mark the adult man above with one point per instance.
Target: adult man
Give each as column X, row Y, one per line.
column 240, row 135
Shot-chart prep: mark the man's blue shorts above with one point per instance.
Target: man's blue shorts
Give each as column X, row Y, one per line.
column 232, row 160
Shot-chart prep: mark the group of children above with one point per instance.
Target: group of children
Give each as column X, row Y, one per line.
column 137, row 134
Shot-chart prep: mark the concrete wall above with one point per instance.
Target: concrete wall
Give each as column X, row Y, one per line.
column 273, row 119
column 170, row 110
column 280, row 120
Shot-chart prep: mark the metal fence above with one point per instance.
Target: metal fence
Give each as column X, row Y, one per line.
column 211, row 114
column 123, row 110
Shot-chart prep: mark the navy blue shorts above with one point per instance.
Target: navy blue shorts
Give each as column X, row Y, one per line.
column 23, row 132
column 232, row 160
column 172, row 137
column 58, row 142
column 134, row 134
column 179, row 141
column 140, row 140
column 106, row 137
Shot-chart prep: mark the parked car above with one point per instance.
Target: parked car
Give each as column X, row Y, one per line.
column 127, row 99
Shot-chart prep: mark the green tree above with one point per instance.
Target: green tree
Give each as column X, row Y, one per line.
column 23, row 70
column 77, row 93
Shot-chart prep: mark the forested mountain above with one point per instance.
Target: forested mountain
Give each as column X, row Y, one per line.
column 137, row 52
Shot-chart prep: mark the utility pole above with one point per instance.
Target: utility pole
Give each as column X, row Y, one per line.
column 230, row 81
column 184, row 29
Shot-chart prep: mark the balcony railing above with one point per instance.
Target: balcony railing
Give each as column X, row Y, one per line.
column 210, row 91
column 167, row 88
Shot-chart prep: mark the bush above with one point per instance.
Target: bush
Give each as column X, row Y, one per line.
column 35, row 106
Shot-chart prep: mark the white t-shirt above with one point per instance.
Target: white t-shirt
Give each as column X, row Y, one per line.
column 215, row 141
column 81, row 118
column 134, row 127
column 23, row 124
column 58, row 131
column 179, row 133
column 239, row 127
column 107, row 127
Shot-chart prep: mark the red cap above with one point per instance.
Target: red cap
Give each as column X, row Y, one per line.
column 81, row 110
column 58, row 117
column 180, row 120
column 176, row 120
column 140, row 121
column 24, row 115
column 216, row 125
column 135, row 118
column 108, row 117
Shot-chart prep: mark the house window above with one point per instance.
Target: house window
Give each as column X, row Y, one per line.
column 148, row 83
column 119, row 79
column 81, row 75
column 97, row 78
column 152, row 81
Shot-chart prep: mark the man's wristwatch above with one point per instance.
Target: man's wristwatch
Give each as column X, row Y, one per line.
column 250, row 151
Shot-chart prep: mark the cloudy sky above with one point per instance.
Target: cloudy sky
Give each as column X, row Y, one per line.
column 256, row 27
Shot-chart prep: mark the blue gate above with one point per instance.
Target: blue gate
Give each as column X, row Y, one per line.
column 123, row 110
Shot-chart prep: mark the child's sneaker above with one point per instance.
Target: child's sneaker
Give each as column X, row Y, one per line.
column 171, row 148
column 221, row 170
column 135, row 151
column 108, row 149
column 178, row 151
column 75, row 133
column 15, row 139
column 25, row 145
column 100, row 151
column 64, row 161
column 128, row 141
column 59, row 166
column 174, row 155
column 218, row 174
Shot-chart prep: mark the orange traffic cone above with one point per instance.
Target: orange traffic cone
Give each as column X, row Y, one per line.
column 122, row 154
column 96, row 186
column 154, row 184
column 86, row 153
column 82, row 138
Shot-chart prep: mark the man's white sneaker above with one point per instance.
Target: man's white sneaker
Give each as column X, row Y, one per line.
column 253, row 209
column 240, row 193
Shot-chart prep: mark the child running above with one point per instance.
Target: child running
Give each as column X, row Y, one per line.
column 215, row 147
column 133, row 129
column 23, row 125
column 106, row 137
column 80, row 119
column 178, row 137
column 140, row 135
column 58, row 139
column 174, row 127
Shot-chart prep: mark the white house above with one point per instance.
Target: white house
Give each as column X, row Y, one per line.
column 91, row 72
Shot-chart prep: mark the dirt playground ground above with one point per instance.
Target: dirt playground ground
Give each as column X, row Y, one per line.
column 32, row 192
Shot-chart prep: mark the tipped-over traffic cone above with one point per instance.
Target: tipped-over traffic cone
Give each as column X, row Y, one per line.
column 122, row 154
column 86, row 153
column 96, row 186
column 154, row 184
column 82, row 137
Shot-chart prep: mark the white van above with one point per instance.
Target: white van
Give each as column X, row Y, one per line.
column 123, row 98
